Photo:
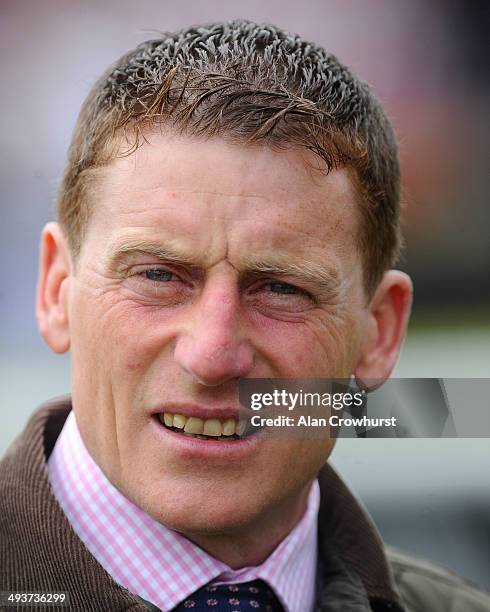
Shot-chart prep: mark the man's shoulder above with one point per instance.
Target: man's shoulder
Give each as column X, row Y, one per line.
column 392, row 579
column 424, row 586
column 38, row 548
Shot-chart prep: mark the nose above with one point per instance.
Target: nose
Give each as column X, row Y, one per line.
column 212, row 349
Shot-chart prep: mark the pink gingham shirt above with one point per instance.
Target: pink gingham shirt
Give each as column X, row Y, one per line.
column 155, row 562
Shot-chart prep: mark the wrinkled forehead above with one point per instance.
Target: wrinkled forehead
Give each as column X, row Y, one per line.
column 186, row 188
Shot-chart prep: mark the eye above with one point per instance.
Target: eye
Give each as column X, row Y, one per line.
column 273, row 296
column 159, row 276
column 158, row 284
column 283, row 288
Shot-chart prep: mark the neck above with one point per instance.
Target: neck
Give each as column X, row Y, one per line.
column 250, row 546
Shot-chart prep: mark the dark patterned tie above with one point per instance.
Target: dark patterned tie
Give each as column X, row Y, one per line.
column 244, row 597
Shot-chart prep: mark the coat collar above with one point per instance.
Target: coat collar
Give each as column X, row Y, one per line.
column 354, row 573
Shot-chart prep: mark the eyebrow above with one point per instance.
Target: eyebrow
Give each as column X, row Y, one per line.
column 324, row 278
column 131, row 248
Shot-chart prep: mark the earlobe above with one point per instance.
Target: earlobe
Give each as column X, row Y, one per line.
column 389, row 313
column 52, row 300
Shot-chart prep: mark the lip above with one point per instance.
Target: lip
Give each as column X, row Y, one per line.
column 202, row 412
column 193, row 448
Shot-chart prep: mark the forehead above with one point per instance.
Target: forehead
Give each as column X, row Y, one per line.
column 177, row 188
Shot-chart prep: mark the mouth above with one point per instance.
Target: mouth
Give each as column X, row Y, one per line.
column 222, row 430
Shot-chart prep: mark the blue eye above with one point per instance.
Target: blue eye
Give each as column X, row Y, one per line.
column 159, row 276
column 283, row 288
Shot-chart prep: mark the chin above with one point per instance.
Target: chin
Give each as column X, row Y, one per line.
column 206, row 512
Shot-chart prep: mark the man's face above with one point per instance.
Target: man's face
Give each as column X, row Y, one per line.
column 205, row 262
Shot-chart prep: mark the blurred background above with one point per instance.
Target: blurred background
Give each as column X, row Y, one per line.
column 428, row 63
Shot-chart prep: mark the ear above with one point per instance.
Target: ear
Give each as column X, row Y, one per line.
column 52, row 298
column 389, row 312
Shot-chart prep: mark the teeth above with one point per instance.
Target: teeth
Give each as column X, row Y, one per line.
column 202, row 428
column 194, row 425
column 240, row 428
column 178, row 421
column 228, row 427
column 212, row 427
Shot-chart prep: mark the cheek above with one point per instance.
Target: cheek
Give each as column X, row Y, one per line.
column 319, row 346
column 113, row 343
column 303, row 455
column 138, row 333
column 292, row 462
